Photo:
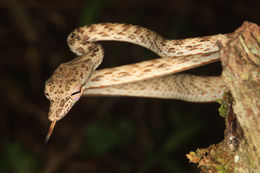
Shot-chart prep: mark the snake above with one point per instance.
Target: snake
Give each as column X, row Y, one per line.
column 151, row 78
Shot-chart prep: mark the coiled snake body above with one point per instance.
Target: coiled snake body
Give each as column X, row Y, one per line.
column 150, row 78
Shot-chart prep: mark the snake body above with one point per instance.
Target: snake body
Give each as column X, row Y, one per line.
column 150, row 78
column 178, row 86
column 81, row 37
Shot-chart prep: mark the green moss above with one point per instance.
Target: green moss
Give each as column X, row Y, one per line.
column 225, row 105
column 215, row 158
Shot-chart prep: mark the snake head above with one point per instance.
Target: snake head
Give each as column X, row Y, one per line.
column 61, row 102
column 65, row 87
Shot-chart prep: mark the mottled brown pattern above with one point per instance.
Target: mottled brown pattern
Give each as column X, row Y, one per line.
column 52, row 88
column 147, row 70
column 178, row 86
column 70, row 77
column 109, row 72
column 92, row 28
column 163, row 65
column 138, row 30
column 122, row 74
column 80, row 50
column 149, row 65
column 62, row 102
column 172, row 50
column 125, row 27
column 132, row 37
column 96, row 79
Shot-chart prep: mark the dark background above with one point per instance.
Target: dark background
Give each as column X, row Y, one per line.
column 103, row 134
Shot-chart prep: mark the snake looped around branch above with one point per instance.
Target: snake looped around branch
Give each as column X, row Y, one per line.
column 150, row 78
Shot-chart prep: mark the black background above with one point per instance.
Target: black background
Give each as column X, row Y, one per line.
column 104, row 134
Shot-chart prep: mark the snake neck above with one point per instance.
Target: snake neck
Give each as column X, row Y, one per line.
column 92, row 52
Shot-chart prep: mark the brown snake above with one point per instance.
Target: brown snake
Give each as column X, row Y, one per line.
column 150, row 78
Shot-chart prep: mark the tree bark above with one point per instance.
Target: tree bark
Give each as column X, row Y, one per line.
column 240, row 150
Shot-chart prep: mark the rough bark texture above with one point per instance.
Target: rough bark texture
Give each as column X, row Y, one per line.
column 240, row 150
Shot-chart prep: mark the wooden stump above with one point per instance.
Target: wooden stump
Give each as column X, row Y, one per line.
column 240, row 150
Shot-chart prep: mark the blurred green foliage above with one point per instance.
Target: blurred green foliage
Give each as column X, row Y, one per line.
column 183, row 130
column 103, row 139
column 17, row 159
column 91, row 11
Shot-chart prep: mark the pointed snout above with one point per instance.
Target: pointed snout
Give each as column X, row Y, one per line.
column 56, row 113
column 59, row 109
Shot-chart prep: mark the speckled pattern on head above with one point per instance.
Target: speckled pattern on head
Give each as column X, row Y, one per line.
column 65, row 86
column 67, row 83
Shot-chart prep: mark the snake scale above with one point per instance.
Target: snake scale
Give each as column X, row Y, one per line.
column 150, row 78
